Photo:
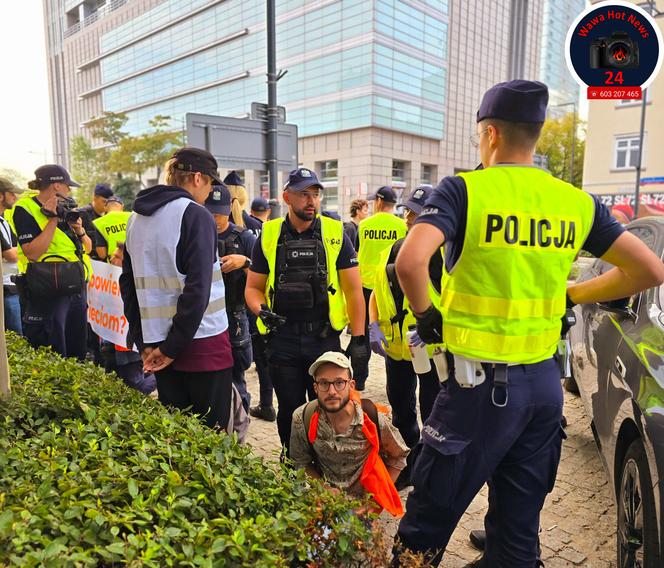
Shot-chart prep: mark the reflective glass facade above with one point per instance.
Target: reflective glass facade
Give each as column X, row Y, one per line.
column 351, row 63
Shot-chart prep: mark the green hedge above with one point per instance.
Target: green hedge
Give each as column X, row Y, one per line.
column 94, row 474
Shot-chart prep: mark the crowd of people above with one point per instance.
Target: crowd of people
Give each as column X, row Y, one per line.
column 463, row 295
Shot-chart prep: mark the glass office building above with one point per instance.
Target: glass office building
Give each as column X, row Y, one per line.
column 368, row 82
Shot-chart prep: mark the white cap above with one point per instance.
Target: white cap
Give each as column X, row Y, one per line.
column 334, row 357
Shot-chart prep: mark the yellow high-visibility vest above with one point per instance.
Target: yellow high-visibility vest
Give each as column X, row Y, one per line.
column 61, row 245
column 113, row 229
column 397, row 343
column 377, row 233
column 332, row 232
column 504, row 299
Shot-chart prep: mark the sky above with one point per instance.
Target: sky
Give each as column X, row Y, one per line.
column 25, row 124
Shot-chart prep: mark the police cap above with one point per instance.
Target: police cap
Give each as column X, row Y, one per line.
column 233, row 178
column 219, row 200
column 417, row 198
column 386, row 193
column 301, row 179
column 515, row 101
column 191, row 159
column 103, row 190
column 52, row 173
column 260, row 205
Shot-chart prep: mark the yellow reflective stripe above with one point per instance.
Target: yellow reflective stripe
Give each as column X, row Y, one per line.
column 501, row 307
column 485, row 345
column 166, row 282
column 167, row 312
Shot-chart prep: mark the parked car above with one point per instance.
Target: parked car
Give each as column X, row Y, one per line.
column 618, row 367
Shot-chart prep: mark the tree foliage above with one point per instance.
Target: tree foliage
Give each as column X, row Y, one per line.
column 556, row 144
column 88, row 167
column 16, row 177
column 120, row 159
column 137, row 154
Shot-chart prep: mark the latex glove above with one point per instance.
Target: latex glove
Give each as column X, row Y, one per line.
column 430, row 326
column 377, row 339
column 271, row 320
column 358, row 354
column 416, row 340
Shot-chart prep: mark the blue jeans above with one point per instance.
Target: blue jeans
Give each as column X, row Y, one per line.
column 13, row 313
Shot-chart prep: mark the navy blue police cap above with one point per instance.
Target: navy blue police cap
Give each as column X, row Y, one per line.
column 515, row 101
column 191, row 159
column 218, row 202
column 233, row 178
column 260, row 205
column 115, row 199
column 103, row 190
column 417, row 198
column 386, row 193
column 52, row 173
column 301, row 179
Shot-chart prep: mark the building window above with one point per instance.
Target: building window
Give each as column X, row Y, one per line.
column 328, row 170
column 428, row 174
column 627, row 152
column 398, row 170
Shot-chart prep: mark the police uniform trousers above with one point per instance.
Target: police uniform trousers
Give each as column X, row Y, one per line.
column 468, row 441
column 258, row 350
column 362, row 374
column 60, row 323
column 290, row 355
column 238, row 329
column 401, row 384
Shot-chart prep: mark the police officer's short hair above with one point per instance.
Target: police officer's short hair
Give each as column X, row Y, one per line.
column 516, row 134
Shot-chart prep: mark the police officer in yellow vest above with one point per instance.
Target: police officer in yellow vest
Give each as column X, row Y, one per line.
column 511, row 232
column 390, row 317
column 111, row 227
column 304, row 284
column 49, row 229
column 374, row 235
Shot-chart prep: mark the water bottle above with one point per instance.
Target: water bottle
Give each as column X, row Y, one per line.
column 440, row 362
column 418, row 353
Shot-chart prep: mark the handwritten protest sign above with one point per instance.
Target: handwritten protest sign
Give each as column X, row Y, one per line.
column 105, row 307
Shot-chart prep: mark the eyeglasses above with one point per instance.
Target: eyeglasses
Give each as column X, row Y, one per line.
column 339, row 385
column 475, row 138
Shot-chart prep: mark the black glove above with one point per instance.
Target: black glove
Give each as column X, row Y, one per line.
column 567, row 321
column 358, row 354
column 271, row 320
column 430, row 326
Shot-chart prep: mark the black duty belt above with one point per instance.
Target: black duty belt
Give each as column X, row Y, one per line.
column 305, row 327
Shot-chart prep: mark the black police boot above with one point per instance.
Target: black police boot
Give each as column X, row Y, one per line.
column 266, row 413
column 478, row 539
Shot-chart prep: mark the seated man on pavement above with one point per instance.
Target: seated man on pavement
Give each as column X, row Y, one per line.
column 345, row 440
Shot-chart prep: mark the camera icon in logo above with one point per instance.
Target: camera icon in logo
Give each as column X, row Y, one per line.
column 615, row 52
